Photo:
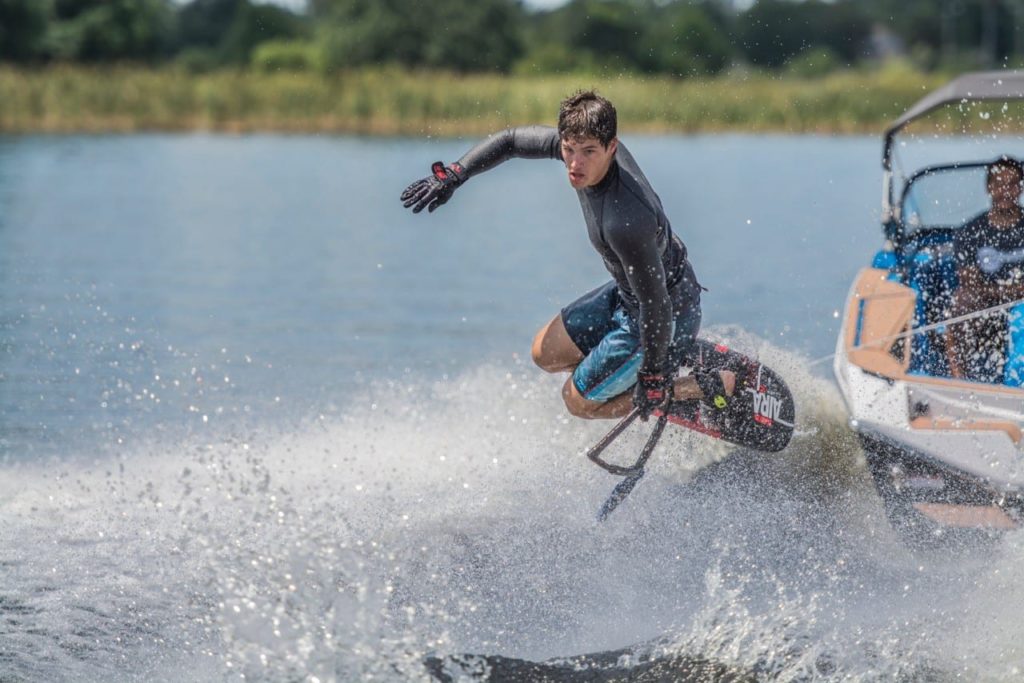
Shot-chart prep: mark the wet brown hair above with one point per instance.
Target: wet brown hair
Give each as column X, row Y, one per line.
column 585, row 114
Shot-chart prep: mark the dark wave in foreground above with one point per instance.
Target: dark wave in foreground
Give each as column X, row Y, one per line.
column 601, row 667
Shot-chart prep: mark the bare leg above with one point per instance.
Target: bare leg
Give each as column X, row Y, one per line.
column 685, row 388
column 595, row 410
column 970, row 337
column 553, row 349
column 955, row 333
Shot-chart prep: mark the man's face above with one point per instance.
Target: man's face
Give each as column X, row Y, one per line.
column 587, row 160
column 1005, row 186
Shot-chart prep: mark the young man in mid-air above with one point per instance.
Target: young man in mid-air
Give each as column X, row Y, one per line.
column 635, row 331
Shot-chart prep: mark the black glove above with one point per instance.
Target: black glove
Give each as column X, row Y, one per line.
column 651, row 392
column 435, row 189
column 711, row 385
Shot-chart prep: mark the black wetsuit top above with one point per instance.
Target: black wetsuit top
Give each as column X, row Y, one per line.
column 627, row 226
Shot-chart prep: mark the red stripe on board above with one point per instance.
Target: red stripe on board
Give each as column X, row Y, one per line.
column 695, row 426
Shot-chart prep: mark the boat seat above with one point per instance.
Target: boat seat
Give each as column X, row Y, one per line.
column 931, row 273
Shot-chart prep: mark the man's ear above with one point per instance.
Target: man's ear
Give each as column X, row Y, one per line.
column 613, row 145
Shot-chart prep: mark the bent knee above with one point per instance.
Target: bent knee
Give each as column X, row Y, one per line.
column 540, row 359
column 553, row 350
column 549, row 355
column 576, row 404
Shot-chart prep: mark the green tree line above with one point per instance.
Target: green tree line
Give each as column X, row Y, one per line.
column 673, row 37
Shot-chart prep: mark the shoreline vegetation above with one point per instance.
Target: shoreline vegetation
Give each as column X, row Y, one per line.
column 392, row 101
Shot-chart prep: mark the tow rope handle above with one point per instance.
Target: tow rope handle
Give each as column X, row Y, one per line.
column 595, row 451
column 631, row 474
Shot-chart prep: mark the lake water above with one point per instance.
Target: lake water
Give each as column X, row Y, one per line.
column 256, row 419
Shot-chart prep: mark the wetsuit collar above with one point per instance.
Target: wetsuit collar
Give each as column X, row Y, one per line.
column 606, row 182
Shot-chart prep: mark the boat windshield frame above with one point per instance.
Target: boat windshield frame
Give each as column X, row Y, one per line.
column 931, row 171
column 979, row 86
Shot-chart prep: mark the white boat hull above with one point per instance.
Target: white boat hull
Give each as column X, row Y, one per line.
column 945, row 452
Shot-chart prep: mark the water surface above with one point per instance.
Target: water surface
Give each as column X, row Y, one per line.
column 258, row 419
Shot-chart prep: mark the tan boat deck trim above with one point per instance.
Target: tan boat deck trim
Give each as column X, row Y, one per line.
column 877, row 361
column 888, row 310
column 883, row 309
column 964, row 385
column 966, row 516
column 1012, row 429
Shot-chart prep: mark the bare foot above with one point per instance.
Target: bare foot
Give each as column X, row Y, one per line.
column 686, row 387
column 729, row 380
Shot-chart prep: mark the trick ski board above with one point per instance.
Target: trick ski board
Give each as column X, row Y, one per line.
column 759, row 415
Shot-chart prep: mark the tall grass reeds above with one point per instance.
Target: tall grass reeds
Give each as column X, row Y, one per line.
column 396, row 102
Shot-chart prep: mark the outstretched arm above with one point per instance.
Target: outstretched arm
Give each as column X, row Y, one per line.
column 528, row 142
column 524, row 142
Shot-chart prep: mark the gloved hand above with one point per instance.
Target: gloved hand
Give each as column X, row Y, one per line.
column 435, row 189
column 652, row 391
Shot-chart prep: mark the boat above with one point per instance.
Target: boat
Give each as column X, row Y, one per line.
column 945, row 454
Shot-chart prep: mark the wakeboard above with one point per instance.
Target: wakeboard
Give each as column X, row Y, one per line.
column 760, row 414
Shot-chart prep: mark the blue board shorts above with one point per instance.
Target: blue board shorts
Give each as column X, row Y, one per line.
column 609, row 338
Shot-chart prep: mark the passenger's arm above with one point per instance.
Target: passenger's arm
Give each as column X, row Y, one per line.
column 975, row 293
column 962, row 304
column 971, row 280
column 985, row 291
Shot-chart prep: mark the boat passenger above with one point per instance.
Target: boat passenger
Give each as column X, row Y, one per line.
column 635, row 331
column 989, row 252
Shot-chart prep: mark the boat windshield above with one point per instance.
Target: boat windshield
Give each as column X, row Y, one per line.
column 944, row 197
column 939, row 156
